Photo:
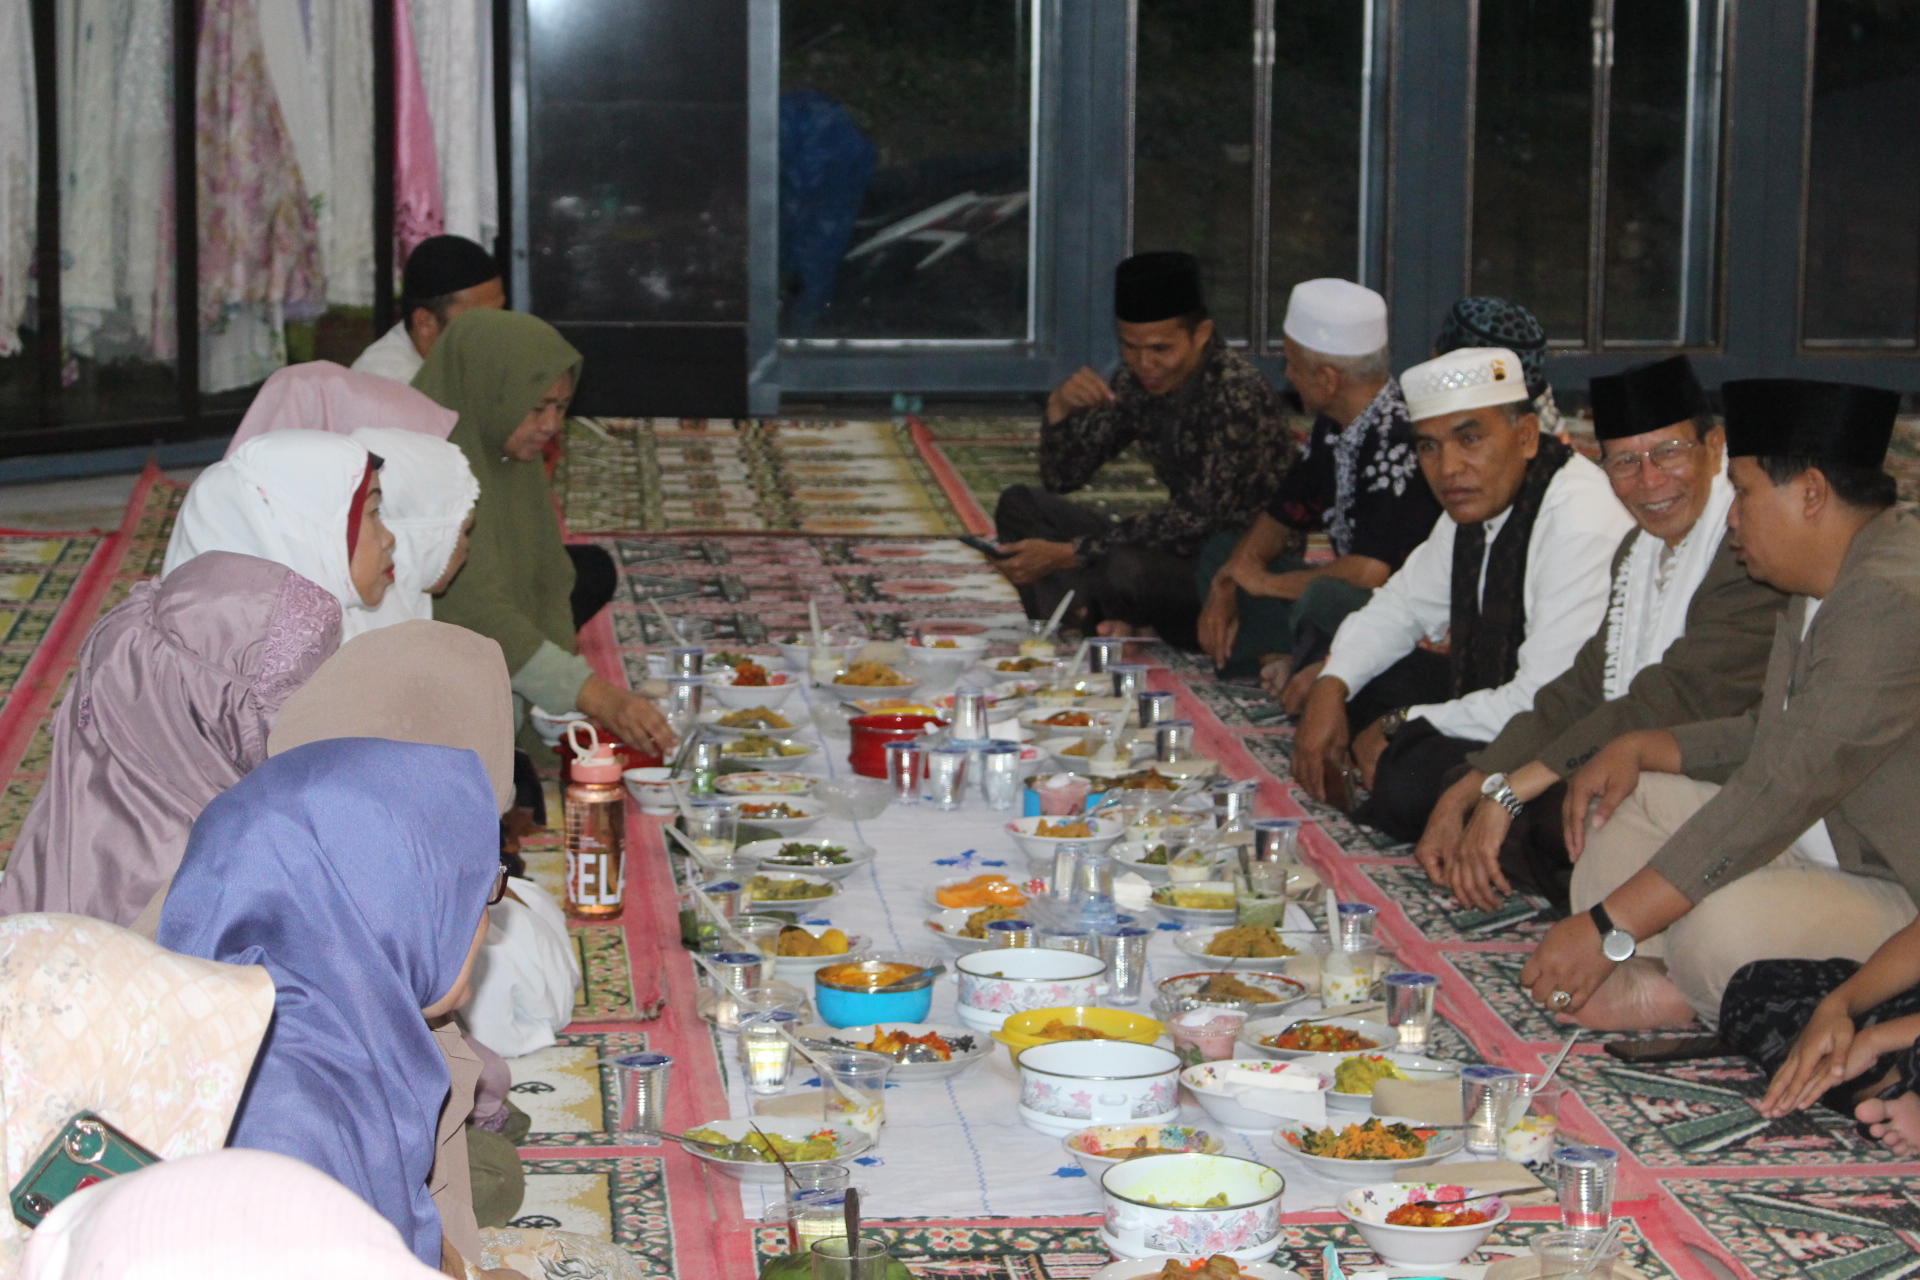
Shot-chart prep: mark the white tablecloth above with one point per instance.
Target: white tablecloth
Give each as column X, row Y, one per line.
column 956, row 1148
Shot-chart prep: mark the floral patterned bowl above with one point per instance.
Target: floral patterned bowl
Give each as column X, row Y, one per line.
column 1069, row 1084
column 995, row 985
column 1153, row 1206
column 1367, row 1209
column 1099, row 1147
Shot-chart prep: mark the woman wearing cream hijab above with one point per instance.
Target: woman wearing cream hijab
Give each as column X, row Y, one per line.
column 95, row 1018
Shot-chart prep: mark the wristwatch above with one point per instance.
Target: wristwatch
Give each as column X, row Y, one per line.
column 1393, row 722
column 1497, row 789
column 1616, row 944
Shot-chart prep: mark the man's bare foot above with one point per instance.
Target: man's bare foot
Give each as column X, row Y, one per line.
column 1896, row 1124
column 1637, row 996
column 1112, row 628
column 1274, row 671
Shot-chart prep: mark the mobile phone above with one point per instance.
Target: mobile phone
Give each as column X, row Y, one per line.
column 1668, row 1049
column 986, row 548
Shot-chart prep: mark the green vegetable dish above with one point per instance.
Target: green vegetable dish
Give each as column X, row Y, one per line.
column 768, row 889
column 796, row 853
column 823, row 1145
column 756, row 746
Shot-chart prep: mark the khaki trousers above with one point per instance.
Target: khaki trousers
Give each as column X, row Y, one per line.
column 1790, row 909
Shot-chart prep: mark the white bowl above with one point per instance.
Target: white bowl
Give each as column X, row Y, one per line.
column 733, row 696
column 761, row 782
column 1201, row 917
column 1367, row 1209
column 858, row 855
column 652, row 789
column 1383, row 1036
column 862, row 692
column 1149, row 1266
column 1216, row 1097
column 912, row 1072
column 1152, row 1205
column 1034, row 720
column 710, row 720
column 1105, row 832
column 1285, row 990
column 1127, row 755
column 786, row 968
column 1193, row 942
column 551, row 726
column 853, row 798
column 1080, row 1082
column 1439, row 1147
column 797, row 656
column 934, row 660
column 1415, row 1065
column 786, row 760
column 946, row 924
column 832, row 888
column 1190, row 1139
column 812, row 811
column 850, row 1143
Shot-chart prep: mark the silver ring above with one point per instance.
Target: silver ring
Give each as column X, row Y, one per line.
column 1560, row 1000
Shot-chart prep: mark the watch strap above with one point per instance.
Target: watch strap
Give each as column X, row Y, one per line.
column 1601, row 920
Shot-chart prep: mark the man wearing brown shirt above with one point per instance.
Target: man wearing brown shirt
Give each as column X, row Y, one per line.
column 1209, row 423
column 1786, row 832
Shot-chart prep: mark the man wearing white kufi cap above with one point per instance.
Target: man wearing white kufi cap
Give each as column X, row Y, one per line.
column 1514, row 577
column 1358, row 479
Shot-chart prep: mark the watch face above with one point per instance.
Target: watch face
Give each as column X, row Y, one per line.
column 1618, row 946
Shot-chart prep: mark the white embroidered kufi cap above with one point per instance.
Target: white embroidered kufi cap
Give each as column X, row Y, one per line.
column 1470, row 378
column 1336, row 318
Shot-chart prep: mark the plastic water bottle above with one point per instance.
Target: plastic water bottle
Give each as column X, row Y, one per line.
column 596, row 820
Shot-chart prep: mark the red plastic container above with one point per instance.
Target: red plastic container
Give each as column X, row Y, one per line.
column 871, row 734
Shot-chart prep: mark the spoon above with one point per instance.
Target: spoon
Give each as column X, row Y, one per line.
column 724, row 1150
column 1600, row 1248
column 1448, row 1204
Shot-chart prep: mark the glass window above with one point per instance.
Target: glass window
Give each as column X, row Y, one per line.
column 1193, row 144
column 905, row 187
column 1318, row 80
column 1646, row 171
column 1863, row 176
column 1532, row 150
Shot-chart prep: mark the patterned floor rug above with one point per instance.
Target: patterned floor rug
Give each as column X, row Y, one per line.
column 774, row 475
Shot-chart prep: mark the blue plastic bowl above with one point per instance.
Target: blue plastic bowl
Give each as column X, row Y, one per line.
column 839, row 1008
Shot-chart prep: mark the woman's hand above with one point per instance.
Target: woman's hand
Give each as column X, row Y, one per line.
column 1820, row 1060
column 633, row 719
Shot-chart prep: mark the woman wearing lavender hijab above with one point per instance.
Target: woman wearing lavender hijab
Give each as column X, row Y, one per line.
column 172, row 701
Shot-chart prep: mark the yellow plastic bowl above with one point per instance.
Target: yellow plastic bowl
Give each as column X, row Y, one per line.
column 1022, row 1030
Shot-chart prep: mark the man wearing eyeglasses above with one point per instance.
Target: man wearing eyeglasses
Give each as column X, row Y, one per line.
column 1685, row 639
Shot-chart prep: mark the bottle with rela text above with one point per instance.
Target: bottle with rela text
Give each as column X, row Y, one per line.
column 596, row 820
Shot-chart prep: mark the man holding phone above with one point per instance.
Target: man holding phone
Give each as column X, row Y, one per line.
column 1210, row 424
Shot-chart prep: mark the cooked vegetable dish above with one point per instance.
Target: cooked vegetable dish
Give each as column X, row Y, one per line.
column 1369, row 1141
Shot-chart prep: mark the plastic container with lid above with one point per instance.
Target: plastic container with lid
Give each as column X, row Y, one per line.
column 595, row 825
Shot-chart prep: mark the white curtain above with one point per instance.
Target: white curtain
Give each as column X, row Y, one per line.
column 19, row 172
column 454, row 39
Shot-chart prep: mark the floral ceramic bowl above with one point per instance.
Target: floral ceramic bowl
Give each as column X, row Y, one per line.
column 995, row 985
column 1367, row 1209
column 1069, row 1084
column 1155, row 1205
column 1099, row 1147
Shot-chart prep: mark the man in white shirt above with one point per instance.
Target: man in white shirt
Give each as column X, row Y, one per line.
column 444, row 276
column 1514, row 578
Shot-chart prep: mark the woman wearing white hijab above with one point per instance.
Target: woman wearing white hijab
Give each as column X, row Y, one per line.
column 427, row 496
column 308, row 500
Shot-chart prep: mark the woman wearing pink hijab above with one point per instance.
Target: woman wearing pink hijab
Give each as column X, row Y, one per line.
column 321, row 396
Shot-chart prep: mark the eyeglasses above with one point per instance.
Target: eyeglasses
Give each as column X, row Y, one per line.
column 1669, row 456
column 499, row 886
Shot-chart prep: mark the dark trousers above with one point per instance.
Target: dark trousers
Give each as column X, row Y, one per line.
column 1534, row 856
column 1420, row 762
column 1269, row 625
column 594, row 579
column 1137, row 585
column 1769, row 1003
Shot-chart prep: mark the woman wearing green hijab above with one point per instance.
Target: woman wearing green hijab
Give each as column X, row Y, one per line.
column 510, row 377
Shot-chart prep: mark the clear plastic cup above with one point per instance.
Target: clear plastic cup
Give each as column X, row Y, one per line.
column 947, row 776
column 906, row 770
column 1410, row 1007
column 1563, row 1253
column 1585, row 1176
column 853, row 1085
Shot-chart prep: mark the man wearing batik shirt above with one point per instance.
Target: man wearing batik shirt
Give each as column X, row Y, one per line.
column 1266, row 611
column 1213, row 429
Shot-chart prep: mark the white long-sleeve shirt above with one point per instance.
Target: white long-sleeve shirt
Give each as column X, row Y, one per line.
column 1566, row 590
column 392, row 355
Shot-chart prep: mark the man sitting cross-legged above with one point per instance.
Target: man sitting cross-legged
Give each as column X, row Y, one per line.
column 1685, row 638
column 1807, row 851
column 1515, row 572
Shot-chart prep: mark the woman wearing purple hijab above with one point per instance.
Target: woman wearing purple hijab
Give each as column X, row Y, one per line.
column 173, row 697
column 358, row 872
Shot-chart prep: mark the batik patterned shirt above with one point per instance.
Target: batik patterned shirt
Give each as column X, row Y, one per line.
column 1219, row 442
